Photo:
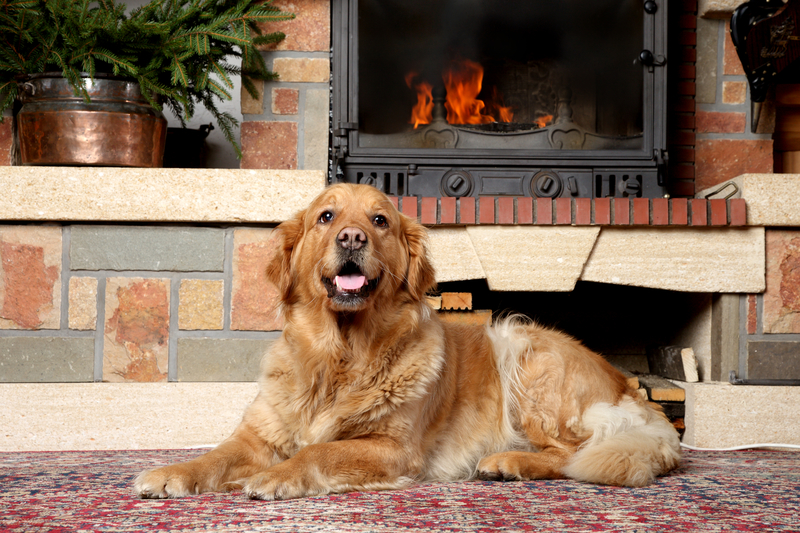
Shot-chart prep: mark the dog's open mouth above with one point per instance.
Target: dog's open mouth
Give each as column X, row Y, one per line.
column 349, row 284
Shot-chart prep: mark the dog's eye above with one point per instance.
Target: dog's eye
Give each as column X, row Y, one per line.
column 325, row 217
column 380, row 221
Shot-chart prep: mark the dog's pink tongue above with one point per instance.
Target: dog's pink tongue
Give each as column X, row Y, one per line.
column 351, row 282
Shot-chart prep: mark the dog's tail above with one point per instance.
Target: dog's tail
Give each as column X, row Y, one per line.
column 631, row 444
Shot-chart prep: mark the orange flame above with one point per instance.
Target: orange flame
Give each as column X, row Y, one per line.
column 544, row 120
column 422, row 113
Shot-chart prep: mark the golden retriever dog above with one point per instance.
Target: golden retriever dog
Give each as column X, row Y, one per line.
column 368, row 389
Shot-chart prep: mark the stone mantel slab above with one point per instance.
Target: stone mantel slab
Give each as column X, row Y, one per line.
column 772, row 199
column 93, row 194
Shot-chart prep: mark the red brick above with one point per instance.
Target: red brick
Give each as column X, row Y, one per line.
column 687, row 38
column 563, row 211
column 622, row 214
column 687, row 72
column 683, row 105
column 285, row 101
column 687, row 88
column 467, row 209
column 717, row 122
column 505, row 210
column 255, row 300
column 699, row 212
column 680, row 211
column 687, row 22
column 689, row 6
column 269, row 145
column 719, row 212
column 685, row 122
column 410, row 206
column 687, row 55
column 682, row 155
column 448, row 210
column 395, row 201
column 544, row 211
column 660, row 211
column 602, row 211
column 583, row 211
column 683, row 138
column 5, row 142
column 486, row 206
column 682, row 188
column 752, row 314
column 524, row 210
column 731, row 65
column 720, row 160
column 309, row 31
column 428, row 214
column 682, row 171
column 641, row 211
column 738, row 209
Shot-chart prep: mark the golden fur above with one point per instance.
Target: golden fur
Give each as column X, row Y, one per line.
column 368, row 389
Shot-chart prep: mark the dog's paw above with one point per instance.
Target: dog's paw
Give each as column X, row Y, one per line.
column 274, row 484
column 168, row 482
column 499, row 467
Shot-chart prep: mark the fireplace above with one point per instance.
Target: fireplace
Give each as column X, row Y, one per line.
column 519, row 98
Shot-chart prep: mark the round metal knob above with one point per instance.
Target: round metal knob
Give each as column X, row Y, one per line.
column 457, row 182
column 650, row 7
column 546, row 184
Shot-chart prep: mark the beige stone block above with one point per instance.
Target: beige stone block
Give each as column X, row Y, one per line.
column 83, row 303
column 30, row 275
column 453, row 255
column 707, row 45
column 532, row 258
column 119, row 416
column 136, row 342
column 250, row 105
column 682, row 259
column 720, row 415
column 772, row 199
column 200, row 304
column 155, row 195
column 719, row 9
column 254, row 303
column 315, row 129
column 302, row 69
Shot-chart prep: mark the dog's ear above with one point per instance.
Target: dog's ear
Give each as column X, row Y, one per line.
column 279, row 269
column 421, row 276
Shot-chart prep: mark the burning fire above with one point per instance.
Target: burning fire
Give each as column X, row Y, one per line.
column 463, row 81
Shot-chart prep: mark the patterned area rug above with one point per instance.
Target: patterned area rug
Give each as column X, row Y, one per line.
column 712, row 491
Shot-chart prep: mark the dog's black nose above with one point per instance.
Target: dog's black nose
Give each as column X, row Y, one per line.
column 352, row 238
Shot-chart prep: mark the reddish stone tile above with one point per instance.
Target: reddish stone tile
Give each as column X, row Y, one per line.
column 428, row 212
column 699, row 209
column 734, row 92
column 410, row 207
column 719, row 212
column 622, row 213
column 752, row 314
column 544, row 211
column 641, row 211
column 5, row 142
column 395, row 201
column 254, row 302
column 136, row 346
column 738, row 210
column 583, row 211
column 309, row 31
column 717, row 122
column 285, row 101
column 781, row 311
column 505, row 210
column 486, row 206
column 660, row 211
column 269, row 145
column 448, row 210
column 680, row 212
column 563, row 211
column 30, row 277
column 720, row 160
column 602, row 211
column 466, row 210
column 524, row 210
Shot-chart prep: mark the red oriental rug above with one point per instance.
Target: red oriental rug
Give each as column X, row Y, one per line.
column 712, row 491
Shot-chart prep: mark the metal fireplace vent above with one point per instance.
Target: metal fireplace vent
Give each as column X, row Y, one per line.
column 542, row 99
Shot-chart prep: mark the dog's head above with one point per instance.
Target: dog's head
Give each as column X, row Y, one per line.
column 350, row 250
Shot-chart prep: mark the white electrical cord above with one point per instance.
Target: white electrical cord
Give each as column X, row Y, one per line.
column 744, row 447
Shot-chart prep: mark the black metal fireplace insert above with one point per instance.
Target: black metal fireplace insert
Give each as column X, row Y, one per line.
column 542, row 98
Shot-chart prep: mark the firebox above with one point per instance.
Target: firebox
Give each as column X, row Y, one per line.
column 521, row 98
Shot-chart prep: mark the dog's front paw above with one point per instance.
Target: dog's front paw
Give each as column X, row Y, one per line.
column 168, row 482
column 275, row 484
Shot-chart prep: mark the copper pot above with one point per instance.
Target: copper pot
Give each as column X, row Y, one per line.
column 117, row 128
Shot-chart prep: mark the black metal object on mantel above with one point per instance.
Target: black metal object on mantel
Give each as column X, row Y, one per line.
column 765, row 34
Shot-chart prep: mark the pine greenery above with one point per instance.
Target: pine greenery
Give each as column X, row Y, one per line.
column 176, row 49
